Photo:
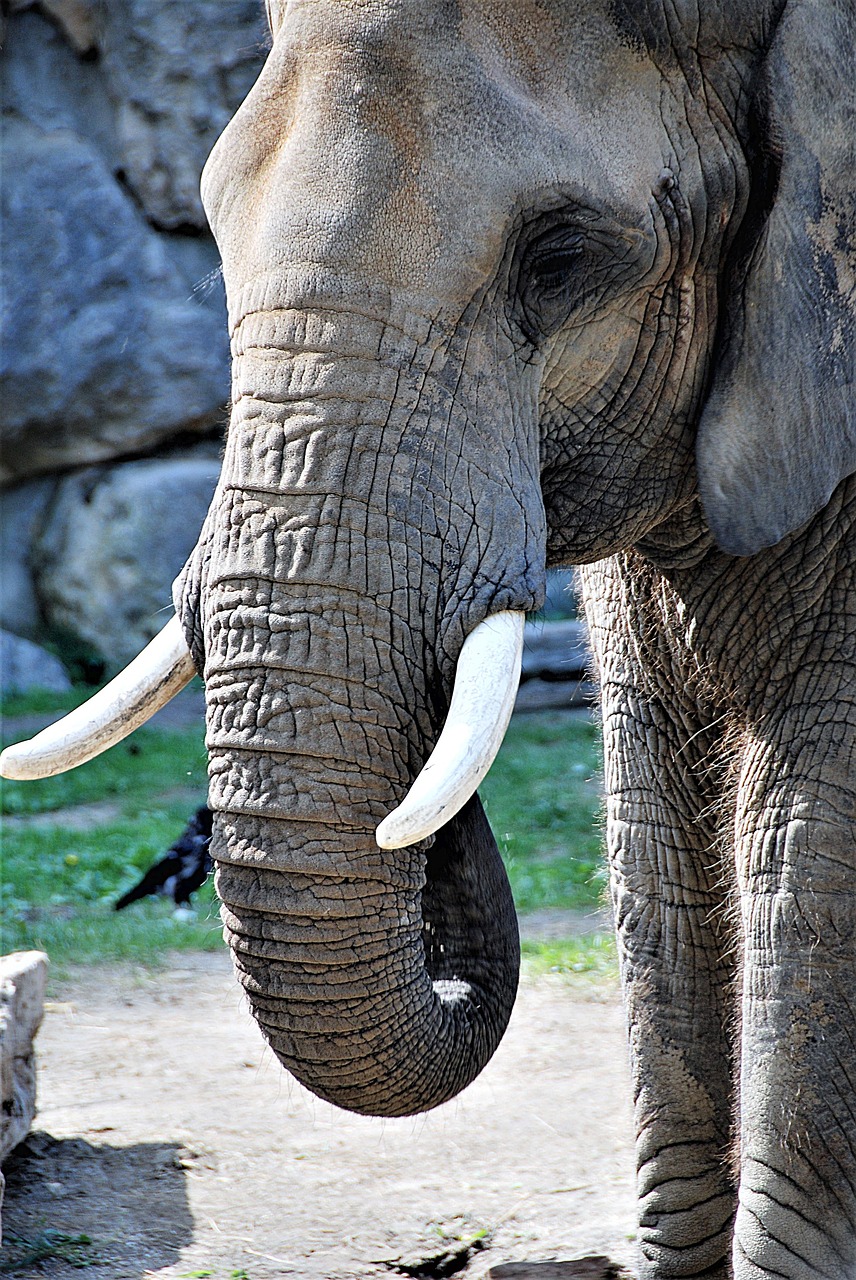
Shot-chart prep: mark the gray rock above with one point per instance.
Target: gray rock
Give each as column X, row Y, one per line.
column 76, row 18
column 22, row 511
column 114, row 540
column 170, row 76
column 555, row 695
column 197, row 261
column 556, row 667
column 25, row 666
column 23, row 976
column 101, row 351
column 45, row 82
column 177, row 72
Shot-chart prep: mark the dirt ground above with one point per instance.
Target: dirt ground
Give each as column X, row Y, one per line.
column 170, row 1143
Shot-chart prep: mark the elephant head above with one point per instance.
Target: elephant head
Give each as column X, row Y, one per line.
column 493, row 273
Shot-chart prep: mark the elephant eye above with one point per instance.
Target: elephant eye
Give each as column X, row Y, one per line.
column 548, row 281
column 550, row 271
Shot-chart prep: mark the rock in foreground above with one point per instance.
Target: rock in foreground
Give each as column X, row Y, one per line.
column 23, row 975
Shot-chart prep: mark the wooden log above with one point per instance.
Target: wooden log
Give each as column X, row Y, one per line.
column 555, row 650
column 546, row 695
column 592, row 1268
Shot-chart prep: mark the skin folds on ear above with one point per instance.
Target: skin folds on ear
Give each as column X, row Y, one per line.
column 778, row 431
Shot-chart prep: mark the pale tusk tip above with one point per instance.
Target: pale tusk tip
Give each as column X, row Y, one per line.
column 392, row 834
column 482, row 701
column 10, row 764
column 148, row 682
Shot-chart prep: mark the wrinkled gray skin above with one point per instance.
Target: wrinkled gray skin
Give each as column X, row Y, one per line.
column 545, row 283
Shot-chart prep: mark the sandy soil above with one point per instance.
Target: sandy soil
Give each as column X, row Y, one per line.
column 169, row 1136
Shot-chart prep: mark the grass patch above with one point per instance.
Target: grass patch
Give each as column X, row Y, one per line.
column 595, row 954
column 64, row 866
column 59, row 887
column 76, row 924
column 43, row 701
column 136, row 772
column 543, row 799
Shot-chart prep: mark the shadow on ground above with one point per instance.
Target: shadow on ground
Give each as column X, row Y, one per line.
column 57, row 1218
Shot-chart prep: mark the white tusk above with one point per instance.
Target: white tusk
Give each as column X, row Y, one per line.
column 482, row 701
column 157, row 674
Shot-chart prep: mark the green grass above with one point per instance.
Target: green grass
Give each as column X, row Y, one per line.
column 542, row 797
column 594, row 954
column 63, row 867
column 151, row 763
column 39, row 701
column 61, row 872
column 59, row 887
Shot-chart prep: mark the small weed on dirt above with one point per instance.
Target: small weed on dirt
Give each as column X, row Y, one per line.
column 78, row 1251
column 239, row 1273
column 459, row 1248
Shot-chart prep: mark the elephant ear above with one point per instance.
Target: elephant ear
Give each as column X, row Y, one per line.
column 778, row 430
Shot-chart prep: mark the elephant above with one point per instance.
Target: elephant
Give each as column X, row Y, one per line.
column 564, row 282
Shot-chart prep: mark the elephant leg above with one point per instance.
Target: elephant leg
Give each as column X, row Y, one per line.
column 678, row 980
column 796, row 843
column 663, row 775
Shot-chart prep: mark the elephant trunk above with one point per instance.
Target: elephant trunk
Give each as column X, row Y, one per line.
column 328, row 602
column 383, row 979
column 383, row 984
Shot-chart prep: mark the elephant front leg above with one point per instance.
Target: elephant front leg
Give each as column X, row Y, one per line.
column 797, row 869
column 676, row 958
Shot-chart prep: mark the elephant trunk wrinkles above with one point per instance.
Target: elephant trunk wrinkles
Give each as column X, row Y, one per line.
column 379, row 981
column 382, row 979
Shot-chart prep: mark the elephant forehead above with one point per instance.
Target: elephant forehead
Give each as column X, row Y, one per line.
column 407, row 138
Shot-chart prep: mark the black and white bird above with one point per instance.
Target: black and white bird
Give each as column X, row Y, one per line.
column 182, row 870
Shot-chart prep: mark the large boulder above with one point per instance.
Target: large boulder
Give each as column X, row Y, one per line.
column 76, row 18
column 556, row 664
column 25, row 666
column 101, row 352
column 177, row 71
column 555, row 650
column 22, row 513
column 47, row 83
column 114, row 540
column 160, row 81
column 113, row 338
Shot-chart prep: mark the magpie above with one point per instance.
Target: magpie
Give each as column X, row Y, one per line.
column 182, row 870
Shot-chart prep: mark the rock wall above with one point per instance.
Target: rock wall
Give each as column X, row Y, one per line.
column 114, row 362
